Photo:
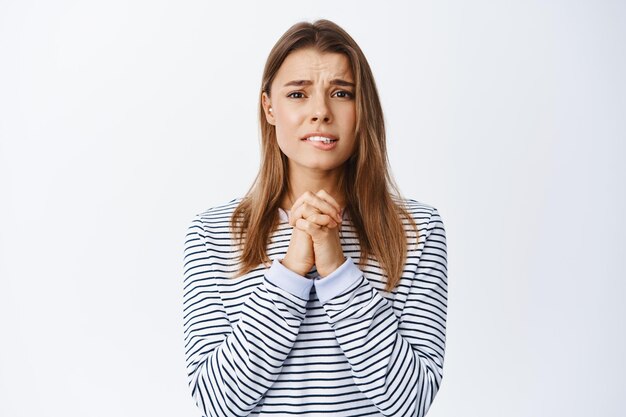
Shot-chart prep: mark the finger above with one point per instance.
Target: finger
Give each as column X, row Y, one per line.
column 328, row 198
column 306, row 226
column 301, row 211
column 310, row 213
column 304, row 210
column 293, row 216
column 319, row 203
column 321, row 219
column 305, row 197
column 294, row 207
column 301, row 198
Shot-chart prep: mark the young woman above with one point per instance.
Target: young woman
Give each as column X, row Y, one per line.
column 321, row 291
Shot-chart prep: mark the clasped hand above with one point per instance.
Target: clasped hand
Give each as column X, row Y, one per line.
column 315, row 238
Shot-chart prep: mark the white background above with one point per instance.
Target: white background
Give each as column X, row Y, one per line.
column 120, row 120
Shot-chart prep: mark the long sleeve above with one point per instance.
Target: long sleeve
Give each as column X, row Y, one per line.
column 230, row 368
column 397, row 363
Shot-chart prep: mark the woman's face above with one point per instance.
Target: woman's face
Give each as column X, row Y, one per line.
column 313, row 94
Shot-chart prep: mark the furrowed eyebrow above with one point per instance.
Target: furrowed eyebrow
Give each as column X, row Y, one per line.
column 337, row 81
column 343, row 83
column 298, row 83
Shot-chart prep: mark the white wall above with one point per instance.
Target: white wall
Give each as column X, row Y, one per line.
column 120, row 120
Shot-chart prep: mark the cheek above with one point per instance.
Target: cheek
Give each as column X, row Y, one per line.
column 349, row 121
column 349, row 128
column 288, row 122
column 353, row 115
column 284, row 143
column 288, row 115
column 287, row 134
column 348, row 115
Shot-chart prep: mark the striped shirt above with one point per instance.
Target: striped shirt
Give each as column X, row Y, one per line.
column 275, row 343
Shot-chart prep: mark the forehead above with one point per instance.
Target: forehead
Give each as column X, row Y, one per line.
column 311, row 64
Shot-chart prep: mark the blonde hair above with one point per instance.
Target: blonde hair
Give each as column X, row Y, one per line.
column 365, row 181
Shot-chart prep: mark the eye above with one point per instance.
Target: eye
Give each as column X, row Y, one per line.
column 296, row 92
column 344, row 94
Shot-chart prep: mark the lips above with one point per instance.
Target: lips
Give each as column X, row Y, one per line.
column 319, row 137
column 318, row 142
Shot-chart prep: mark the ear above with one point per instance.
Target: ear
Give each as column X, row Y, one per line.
column 269, row 115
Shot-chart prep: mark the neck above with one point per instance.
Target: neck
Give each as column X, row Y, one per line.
column 304, row 179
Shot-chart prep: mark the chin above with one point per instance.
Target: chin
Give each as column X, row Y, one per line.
column 325, row 166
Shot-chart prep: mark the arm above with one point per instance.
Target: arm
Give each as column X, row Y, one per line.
column 398, row 364
column 230, row 368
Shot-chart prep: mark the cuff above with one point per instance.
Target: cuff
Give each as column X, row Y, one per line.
column 283, row 277
column 337, row 281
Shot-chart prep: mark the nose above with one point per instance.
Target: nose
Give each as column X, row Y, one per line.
column 320, row 110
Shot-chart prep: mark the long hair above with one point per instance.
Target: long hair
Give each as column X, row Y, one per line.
column 365, row 181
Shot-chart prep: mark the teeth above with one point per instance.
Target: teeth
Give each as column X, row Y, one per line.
column 320, row 139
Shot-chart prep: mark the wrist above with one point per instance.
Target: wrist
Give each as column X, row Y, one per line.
column 287, row 264
column 325, row 272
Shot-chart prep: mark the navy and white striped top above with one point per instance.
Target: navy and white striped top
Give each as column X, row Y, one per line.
column 274, row 343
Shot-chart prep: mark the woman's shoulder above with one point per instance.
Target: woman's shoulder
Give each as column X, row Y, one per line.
column 216, row 219
column 221, row 210
column 420, row 210
column 426, row 218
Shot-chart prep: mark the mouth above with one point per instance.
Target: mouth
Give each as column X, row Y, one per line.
column 319, row 137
